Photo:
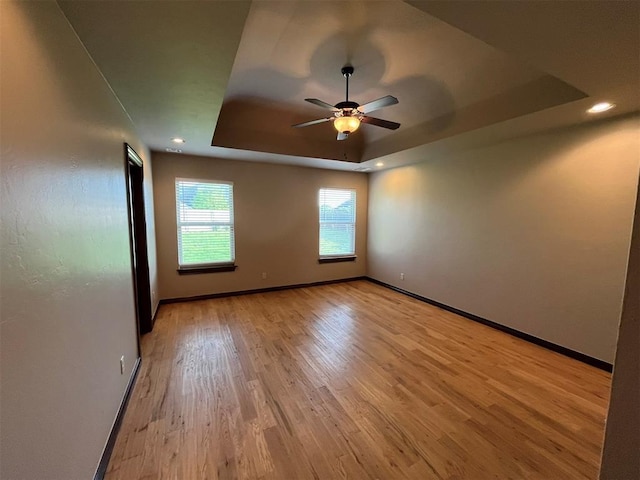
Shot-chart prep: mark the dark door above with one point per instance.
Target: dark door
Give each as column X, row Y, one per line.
column 138, row 240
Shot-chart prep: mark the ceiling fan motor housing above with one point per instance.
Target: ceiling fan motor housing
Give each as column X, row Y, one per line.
column 347, row 105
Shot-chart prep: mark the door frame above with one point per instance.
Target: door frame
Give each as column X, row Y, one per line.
column 134, row 175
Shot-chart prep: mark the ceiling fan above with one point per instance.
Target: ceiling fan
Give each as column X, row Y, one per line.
column 347, row 115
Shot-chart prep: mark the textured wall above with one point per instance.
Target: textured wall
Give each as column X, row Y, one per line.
column 532, row 233
column 276, row 224
column 66, row 293
column 621, row 455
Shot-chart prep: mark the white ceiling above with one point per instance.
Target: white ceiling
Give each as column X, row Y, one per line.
column 235, row 73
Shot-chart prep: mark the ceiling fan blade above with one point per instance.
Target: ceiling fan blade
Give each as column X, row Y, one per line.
column 313, row 122
column 342, row 135
column 378, row 122
column 377, row 104
column 320, row 103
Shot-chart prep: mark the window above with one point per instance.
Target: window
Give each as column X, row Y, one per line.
column 205, row 223
column 337, row 222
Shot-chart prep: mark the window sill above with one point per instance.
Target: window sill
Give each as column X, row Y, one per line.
column 344, row 258
column 226, row 267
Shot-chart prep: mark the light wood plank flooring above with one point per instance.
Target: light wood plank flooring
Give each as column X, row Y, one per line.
column 352, row 380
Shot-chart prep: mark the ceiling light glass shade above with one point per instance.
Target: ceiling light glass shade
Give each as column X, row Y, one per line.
column 346, row 124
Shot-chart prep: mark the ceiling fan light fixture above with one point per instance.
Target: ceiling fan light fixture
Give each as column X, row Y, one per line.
column 346, row 124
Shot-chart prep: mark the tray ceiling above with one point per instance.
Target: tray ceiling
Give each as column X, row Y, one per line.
column 231, row 77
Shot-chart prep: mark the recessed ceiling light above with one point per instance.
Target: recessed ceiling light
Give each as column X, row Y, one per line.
column 601, row 107
column 177, row 140
column 379, row 164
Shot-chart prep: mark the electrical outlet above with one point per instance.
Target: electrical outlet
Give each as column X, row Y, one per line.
column 122, row 365
column 264, row 275
column 402, row 276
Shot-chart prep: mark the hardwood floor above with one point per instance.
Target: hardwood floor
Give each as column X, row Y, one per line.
column 352, row 380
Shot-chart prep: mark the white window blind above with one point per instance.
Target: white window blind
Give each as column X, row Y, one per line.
column 337, row 222
column 205, row 222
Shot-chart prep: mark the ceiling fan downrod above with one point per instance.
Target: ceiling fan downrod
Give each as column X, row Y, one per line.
column 347, row 71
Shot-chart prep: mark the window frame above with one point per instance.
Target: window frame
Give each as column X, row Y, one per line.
column 337, row 257
column 208, row 267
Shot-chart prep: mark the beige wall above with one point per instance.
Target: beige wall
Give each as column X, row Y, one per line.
column 67, row 311
column 532, row 233
column 621, row 454
column 276, row 224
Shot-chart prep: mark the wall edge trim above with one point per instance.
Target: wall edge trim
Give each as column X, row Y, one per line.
column 115, row 429
column 582, row 357
column 258, row 290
